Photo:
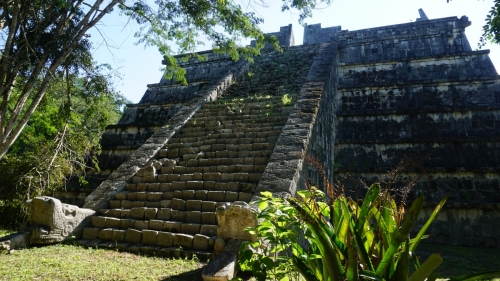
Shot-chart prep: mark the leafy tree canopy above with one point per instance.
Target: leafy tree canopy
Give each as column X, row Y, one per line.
column 42, row 38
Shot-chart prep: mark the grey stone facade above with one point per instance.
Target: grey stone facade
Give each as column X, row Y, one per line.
column 361, row 102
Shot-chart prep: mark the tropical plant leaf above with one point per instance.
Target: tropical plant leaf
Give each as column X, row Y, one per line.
column 477, row 276
column 424, row 228
column 427, row 268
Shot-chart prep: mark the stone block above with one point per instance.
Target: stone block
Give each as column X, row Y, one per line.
column 188, row 194
column 183, row 240
column 149, row 237
column 178, row 215
column 127, row 223
column 164, row 214
column 231, row 196
column 119, row 235
column 134, row 249
column 106, row 234
column 208, row 230
column 91, row 233
column 209, row 218
column 137, row 213
column 126, row 204
column 113, row 223
column 212, row 177
column 208, row 206
column 190, row 228
column 164, row 187
column 220, row 186
column 132, row 196
column 240, row 177
column 208, row 185
column 121, row 196
column 136, row 179
column 172, row 226
column 165, row 239
column 124, row 214
column 186, row 177
column 232, row 186
column 178, row 185
column 140, row 224
column 168, row 195
column 154, row 187
column 254, row 177
column 133, row 236
column 194, row 185
column 234, row 218
column 149, row 179
column 165, row 203
column 99, row 222
column 163, row 178
column 218, row 196
column 115, row 204
column 193, row 217
column 178, row 204
column 150, row 205
column 142, row 187
column 154, row 196
column 137, row 204
column 193, row 205
column 201, row 194
column 156, row 224
column 200, row 242
column 173, row 177
column 130, row 186
column 150, row 213
column 226, row 177
column 245, row 197
column 141, row 196
column 197, row 176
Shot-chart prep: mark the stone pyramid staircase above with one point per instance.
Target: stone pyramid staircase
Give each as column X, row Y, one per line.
column 169, row 209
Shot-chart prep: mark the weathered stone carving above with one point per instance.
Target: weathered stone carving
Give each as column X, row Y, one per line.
column 55, row 221
column 50, row 222
column 234, row 218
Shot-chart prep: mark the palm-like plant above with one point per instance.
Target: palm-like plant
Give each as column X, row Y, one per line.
column 346, row 240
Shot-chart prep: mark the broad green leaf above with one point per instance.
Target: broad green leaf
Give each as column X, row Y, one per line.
column 427, row 268
column 427, row 224
column 477, row 276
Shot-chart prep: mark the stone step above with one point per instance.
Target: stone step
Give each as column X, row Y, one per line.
column 175, row 153
column 226, row 137
column 228, row 134
column 196, row 185
column 143, row 218
column 236, row 173
column 139, row 239
column 208, row 145
column 205, row 190
column 196, row 168
column 225, row 127
column 213, row 150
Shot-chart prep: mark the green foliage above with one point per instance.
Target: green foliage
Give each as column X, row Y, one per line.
column 491, row 29
column 59, row 140
column 346, row 239
column 286, row 100
column 42, row 39
column 267, row 257
column 67, row 262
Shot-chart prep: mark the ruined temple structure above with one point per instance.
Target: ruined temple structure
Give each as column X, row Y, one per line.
column 359, row 101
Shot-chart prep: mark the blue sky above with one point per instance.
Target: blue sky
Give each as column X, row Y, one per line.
column 139, row 66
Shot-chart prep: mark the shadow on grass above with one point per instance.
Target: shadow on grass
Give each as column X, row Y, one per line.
column 193, row 275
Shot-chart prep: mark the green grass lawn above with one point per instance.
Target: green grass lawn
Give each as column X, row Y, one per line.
column 67, row 262
column 459, row 260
